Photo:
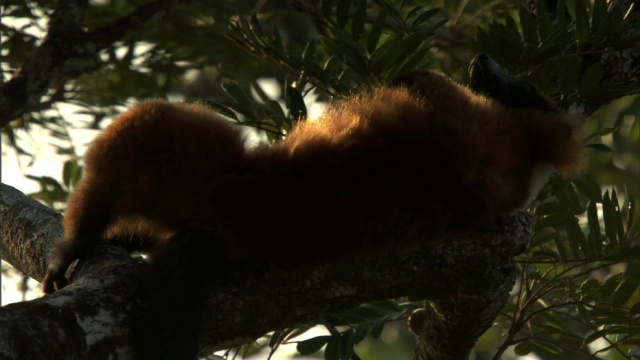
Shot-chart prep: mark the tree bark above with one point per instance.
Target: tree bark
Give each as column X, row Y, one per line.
column 466, row 282
column 485, row 278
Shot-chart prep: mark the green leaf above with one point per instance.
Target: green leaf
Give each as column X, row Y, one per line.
column 223, row 110
column 599, row 18
column 609, row 215
column 561, row 15
column 561, row 246
column 428, row 14
column 528, row 24
column 312, row 345
column 510, row 23
column 361, row 331
column 577, row 239
column 610, row 284
column 413, row 12
column 582, row 22
column 47, row 183
column 635, row 309
column 227, row 108
column 626, row 254
column 297, row 332
column 505, row 46
column 275, row 339
column 256, row 27
column 376, row 32
column 275, row 108
column 295, row 103
column 559, row 220
column 625, row 291
column 347, row 342
column 376, row 328
column 589, row 290
column 71, row 173
column 602, row 132
column 277, row 42
column 259, row 91
column 390, row 56
column 380, row 57
column 631, row 215
column 342, row 12
column 353, row 54
column 357, row 24
column 597, row 335
column 545, row 27
column 524, row 348
column 588, row 188
column 332, row 351
column 595, row 233
column 413, row 61
column 247, row 106
column 556, row 42
column 549, row 347
column 599, row 147
column 618, row 218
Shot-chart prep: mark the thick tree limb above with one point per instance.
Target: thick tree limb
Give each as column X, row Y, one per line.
column 67, row 52
column 466, row 281
column 28, row 230
column 90, row 320
column 485, row 274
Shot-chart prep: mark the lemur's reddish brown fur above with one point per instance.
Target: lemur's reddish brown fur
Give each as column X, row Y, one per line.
column 390, row 168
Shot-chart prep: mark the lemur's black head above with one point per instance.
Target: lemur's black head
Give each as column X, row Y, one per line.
column 487, row 78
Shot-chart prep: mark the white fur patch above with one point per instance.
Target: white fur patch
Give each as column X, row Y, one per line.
column 539, row 177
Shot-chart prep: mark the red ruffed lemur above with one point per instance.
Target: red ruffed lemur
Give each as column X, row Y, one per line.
column 417, row 159
column 402, row 164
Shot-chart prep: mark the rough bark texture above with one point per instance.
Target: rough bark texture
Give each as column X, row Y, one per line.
column 465, row 280
column 485, row 276
column 28, row 230
column 91, row 320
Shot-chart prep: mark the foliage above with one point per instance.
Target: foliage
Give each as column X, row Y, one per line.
column 578, row 294
column 560, row 52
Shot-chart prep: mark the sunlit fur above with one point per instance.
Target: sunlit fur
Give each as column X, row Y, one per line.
column 384, row 170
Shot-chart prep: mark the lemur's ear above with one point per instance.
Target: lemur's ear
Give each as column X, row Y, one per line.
column 405, row 80
column 559, row 141
column 419, row 81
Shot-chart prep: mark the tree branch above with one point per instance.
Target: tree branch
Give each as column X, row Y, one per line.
column 466, row 280
column 29, row 230
column 68, row 51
